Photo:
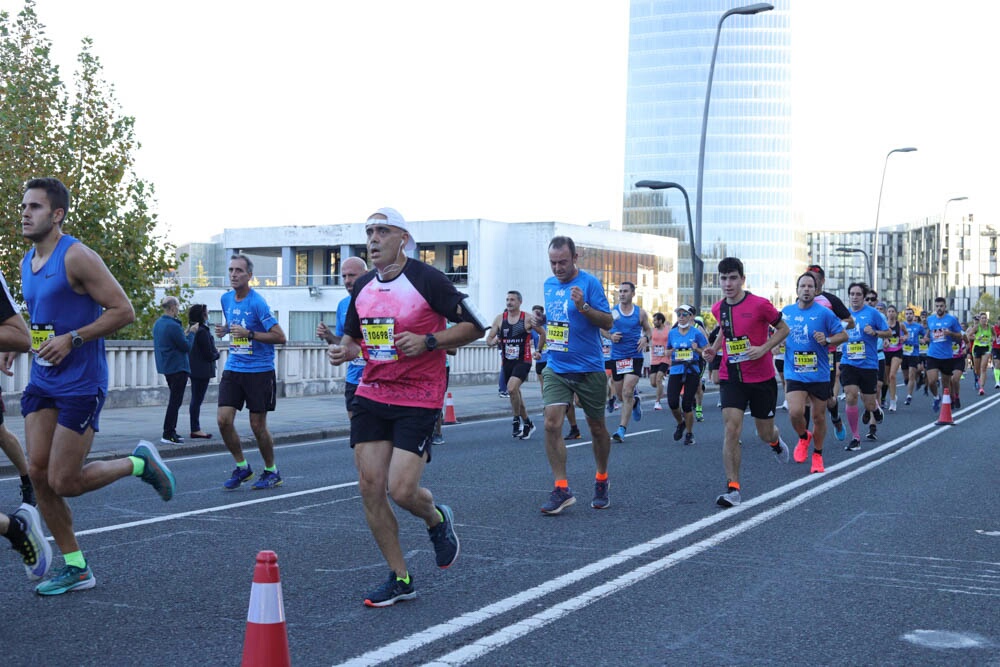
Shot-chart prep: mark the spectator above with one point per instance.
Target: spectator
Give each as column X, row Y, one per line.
column 171, row 345
column 202, row 358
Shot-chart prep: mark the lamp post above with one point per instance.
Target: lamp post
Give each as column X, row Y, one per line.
column 697, row 265
column 846, row 250
column 908, row 149
column 943, row 270
column 747, row 10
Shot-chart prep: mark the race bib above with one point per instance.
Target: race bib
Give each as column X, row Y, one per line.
column 379, row 334
column 955, row 349
column 856, row 350
column 924, row 347
column 358, row 360
column 557, row 336
column 39, row 334
column 686, row 354
column 937, row 335
column 781, row 348
column 893, row 341
column 831, row 358
column 659, row 350
column 805, row 362
column 908, row 349
column 623, row 366
column 240, row 346
column 511, row 352
column 738, row 350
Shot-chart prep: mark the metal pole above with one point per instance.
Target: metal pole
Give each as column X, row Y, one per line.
column 878, row 208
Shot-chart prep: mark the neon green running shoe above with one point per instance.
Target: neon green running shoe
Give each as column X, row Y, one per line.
column 70, row 578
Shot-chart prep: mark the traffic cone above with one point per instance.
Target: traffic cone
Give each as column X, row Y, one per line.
column 945, row 417
column 266, row 643
column 449, row 410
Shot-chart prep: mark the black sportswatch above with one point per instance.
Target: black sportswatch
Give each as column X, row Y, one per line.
column 77, row 338
column 431, row 342
column 250, row 334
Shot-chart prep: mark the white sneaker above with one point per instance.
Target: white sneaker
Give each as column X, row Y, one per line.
column 657, row 406
column 729, row 499
column 892, row 406
column 842, row 397
column 784, row 405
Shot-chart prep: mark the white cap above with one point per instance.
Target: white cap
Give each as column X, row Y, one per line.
column 684, row 308
column 395, row 219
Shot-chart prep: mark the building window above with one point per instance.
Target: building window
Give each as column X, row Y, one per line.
column 302, row 268
column 302, row 324
column 457, row 268
column 427, row 254
column 331, row 270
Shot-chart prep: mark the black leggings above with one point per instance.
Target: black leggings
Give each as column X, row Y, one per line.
column 690, row 383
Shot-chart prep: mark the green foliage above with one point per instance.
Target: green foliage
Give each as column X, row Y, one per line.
column 987, row 303
column 84, row 140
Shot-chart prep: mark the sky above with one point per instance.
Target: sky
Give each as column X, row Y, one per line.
column 253, row 115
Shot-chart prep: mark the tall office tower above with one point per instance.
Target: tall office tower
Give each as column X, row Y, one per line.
column 747, row 191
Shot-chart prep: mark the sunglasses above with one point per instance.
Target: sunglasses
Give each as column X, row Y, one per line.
column 871, row 299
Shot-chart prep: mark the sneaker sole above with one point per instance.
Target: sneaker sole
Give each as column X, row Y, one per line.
column 269, row 486
column 449, row 516
column 724, row 502
column 79, row 586
column 249, row 478
column 148, row 452
column 566, row 503
column 391, row 601
column 43, row 560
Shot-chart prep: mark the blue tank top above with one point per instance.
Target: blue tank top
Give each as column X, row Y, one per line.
column 55, row 309
column 630, row 329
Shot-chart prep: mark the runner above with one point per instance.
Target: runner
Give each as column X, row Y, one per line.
column 893, row 348
column 397, row 320
column 511, row 332
column 996, row 354
column 685, row 344
column 629, row 335
column 833, row 302
column 911, row 364
column 577, row 310
column 699, row 413
column 859, row 364
column 981, row 335
column 943, row 332
column 73, row 302
column 659, row 363
column 746, row 376
column 351, row 269
column 812, row 330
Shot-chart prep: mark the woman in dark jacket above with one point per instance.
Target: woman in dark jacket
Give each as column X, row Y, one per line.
column 202, row 356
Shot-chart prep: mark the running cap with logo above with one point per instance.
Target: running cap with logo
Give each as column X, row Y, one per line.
column 816, row 268
column 395, row 219
column 684, row 308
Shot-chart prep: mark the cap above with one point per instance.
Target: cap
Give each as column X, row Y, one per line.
column 395, row 218
column 684, row 308
column 817, row 269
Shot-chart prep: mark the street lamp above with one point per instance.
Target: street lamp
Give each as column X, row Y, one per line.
column 697, row 265
column 747, row 10
column 846, row 250
column 908, row 149
column 943, row 271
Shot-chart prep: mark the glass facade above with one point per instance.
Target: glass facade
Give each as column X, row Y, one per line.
column 747, row 191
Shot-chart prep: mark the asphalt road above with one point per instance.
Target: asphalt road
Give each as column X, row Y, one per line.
column 891, row 557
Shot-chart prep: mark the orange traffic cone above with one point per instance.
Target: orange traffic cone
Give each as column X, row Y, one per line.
column 449, row 410
column 945, row 418
column 266, row 643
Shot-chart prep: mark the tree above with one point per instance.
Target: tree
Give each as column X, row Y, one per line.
column 987, row 304
column 90, row 146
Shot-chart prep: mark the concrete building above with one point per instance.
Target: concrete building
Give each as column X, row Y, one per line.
column 484, row 258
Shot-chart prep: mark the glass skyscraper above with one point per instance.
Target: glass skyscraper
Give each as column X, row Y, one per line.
column 747, row 192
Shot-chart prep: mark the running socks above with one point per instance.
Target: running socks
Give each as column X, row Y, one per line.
column 138, row 466
column 76, row 559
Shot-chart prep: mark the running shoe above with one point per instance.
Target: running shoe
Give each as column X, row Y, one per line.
column 637, row 410
column 155, row 472
column 956, row 403
column 853, row 446
column 70, row 578
column 444, row 538
column 997, row 385
column 574, row 433
column 982, row 392
column 679, row 431
column 516, row 428
column 909, row 399
column 784, row 405
column 438, row 439
column 172, row 439
column 689, row 438
column 802, row 448
column 781, row 453
column 35, row 550
column 657, row 407
column 879, row 416
column 730, row 498
column 839, row 430
column 611, row 405
column 699, row 414
column 559, row 500
column 866, row 417
column 529, row 428
column 817, row 463
column 936, row 405
column 601, row 500
column 892, row 406
column 841, row 396
column 28, row 494
column 504, row 394
column 871, row 433
column 619, row 435
column 239, row 476
column 392, row 591
column 268, row 480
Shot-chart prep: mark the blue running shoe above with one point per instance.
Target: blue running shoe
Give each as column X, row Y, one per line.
column 839, row 430
column 34, row 548
column 240, row 475
column 559, row 500
column 267, row 480
column 611, row 405
column 155, row 472
column 936, row 406
column 444, row 538
column 601, row 500
column 392, row 591
column 619, row 435
column 637, row 410
column 70, row 578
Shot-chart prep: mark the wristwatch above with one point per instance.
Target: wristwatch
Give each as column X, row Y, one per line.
column 431, row 342
column 77, row 338
column 585, row 307
column 250, row 334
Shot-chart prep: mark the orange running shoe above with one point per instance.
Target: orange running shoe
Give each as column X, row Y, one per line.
column 802, row 448
column 817, row 464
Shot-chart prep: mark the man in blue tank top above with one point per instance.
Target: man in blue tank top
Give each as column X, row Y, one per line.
column 248, row 378
column 73, row 303
column 351, row 269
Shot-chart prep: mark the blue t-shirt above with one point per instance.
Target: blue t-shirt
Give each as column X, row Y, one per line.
column 574, row 343
column 805, row 359
column 246, row 355
column 630, row 327
column 940, row 347
column 861, row 349
column 357, row 366
column 683, row 358
column 914, row 332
